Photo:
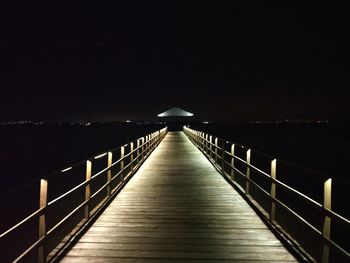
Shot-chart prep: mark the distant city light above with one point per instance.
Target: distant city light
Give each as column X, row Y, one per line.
column 205, row 122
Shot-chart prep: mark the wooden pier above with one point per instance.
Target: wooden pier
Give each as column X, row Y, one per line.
column 178, row 208
column 177, row 197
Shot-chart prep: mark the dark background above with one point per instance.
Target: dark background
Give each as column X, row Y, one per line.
column 222, row 60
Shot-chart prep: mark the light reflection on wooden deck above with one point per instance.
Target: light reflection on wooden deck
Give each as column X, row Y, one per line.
column 178, row 208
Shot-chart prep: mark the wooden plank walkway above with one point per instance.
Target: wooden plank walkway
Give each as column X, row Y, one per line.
column 178, row 208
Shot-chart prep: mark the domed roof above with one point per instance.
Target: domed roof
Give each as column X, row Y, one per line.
column 175, row 112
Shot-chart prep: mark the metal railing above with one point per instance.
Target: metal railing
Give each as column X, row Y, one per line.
column 238, row 171
column 57, row 229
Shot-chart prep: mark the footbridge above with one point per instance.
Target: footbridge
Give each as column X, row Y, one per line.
column 172, row 197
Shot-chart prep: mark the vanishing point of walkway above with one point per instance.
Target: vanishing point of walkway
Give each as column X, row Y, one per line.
column 178, row 208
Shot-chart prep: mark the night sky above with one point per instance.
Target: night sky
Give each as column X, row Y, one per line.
column 222, row 60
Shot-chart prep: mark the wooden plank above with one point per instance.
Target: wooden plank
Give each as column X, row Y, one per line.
column 178, row 247
column 178, row 208
column 76, row 259
column 187, row 242
column 179, row 254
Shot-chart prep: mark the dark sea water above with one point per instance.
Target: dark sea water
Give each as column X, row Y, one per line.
column 29, row 152
column 322, row 147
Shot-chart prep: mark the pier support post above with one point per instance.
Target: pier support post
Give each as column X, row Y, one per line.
column 42, row 220
column 326, row 232
column 273, row 190
column 87, row 188
column 109, row 172
column 247, row 183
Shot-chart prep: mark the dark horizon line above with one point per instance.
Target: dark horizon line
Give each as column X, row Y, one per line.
column 253, row 121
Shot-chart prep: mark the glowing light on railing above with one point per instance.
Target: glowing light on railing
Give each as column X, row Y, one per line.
column 66, row 169
column 205, row 122
column 100, row 156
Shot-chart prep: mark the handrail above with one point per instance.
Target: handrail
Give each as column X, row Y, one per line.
column 128, row 163
column 218, row 155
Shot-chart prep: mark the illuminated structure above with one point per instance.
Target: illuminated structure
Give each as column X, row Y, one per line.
column 175, row 112
column 175, row 118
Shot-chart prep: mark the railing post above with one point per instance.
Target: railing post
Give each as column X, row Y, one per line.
column 138, row 151
column 210, row 145
column 147, row 144
column 223, row 156
column 206, row 143
column 42, row 220
column 202, row 141
column 109, row 172
column 150, row 143
column 87, row 188
column 273, row 190
column 247, row 183
column 326, row 232
column 216, row 150
column 122, row 154
column 232, row 162
column 131, row 156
